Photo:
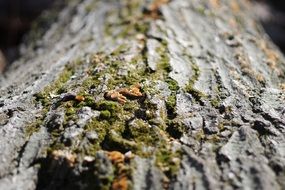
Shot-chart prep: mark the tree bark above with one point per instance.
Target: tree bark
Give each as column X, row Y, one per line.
column 145, row 95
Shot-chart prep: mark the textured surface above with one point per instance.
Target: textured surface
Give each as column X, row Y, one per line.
column 212, row 113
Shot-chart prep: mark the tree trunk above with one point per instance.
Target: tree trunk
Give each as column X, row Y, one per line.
column 145, row 95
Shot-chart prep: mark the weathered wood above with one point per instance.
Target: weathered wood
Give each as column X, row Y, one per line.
column 208, row 112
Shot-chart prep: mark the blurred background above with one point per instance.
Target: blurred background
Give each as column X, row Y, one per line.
column 16, row 17
column 272, row 16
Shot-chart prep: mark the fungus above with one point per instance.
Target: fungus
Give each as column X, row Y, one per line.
column 133, row 91
column 120, row 95
column 115, row 96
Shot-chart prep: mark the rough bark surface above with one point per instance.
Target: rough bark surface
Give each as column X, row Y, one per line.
column 186, row 94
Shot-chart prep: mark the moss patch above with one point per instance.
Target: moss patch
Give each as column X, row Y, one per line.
column 168, row 161
column 133, row 126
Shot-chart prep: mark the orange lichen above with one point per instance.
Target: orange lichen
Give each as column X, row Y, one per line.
column 157, row 3
column 133, row 91
column 153, row 9
column 215, row 3
column 115, row 96
column 79, row 98
column 243, row 61
column 272, row 56
column 120, row 94
column 116, row 157
column 235, row 6
column 120, row 184
column 260, row 77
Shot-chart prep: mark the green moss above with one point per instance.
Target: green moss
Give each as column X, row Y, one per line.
column 130, row 21
column 89, row 101
column 195, row 73
column 32, row 128
column 171, row 99
column 43, row 98
column 109, row 110
column 142, row 27
column 168, row 161
column 89, row 82
column 200, row 135
column 114, row 141
column 131, row 106
column 137, row 59
column 142, row 133
column 164, row 62
column 134, row 77
column 90, row 7
column 172, row 84
column 108, row 28
column 197, row 95
column 126, row 31
column 196, row 70
column 171, row 102
column 221, row 126
column 55, row 146
column 110, row 127
column 70, row 111
column 120, row 50
column 229, row 109
column 107, row 105
column 215, row 102
column 175, row 129
column 214, row 138
column 112, row 63
column 100, row 126
column 105, row 114
column 62, row 79
column 144, row 137
column 201, row 10
column 57, row 86
column 150, row 89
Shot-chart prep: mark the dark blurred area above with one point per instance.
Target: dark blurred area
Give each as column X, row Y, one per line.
column 272, row 16
column 16, row 17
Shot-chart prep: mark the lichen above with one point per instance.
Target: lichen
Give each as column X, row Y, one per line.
column 130, row 127
column 168, row 161
column 105, row 114
column 32, row 128
column 200, row 135
column 197, row 95
column 175, row 128
column 190, row 87
column 171, row 99
column 215, row 102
